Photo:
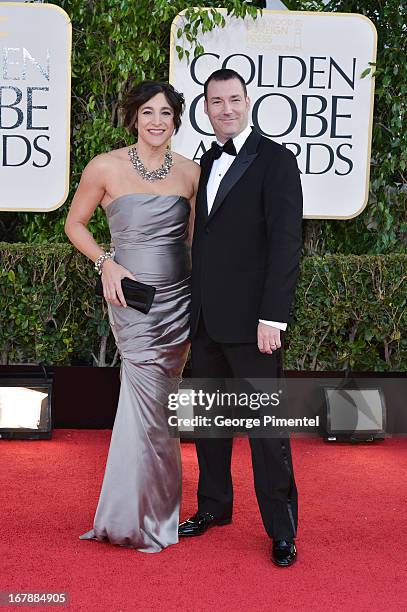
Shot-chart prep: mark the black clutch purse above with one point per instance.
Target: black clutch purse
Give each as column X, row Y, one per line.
column 137, row 295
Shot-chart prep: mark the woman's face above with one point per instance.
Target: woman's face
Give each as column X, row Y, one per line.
column 155, row 121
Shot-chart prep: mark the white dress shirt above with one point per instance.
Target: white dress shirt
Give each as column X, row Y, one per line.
column 219, row 168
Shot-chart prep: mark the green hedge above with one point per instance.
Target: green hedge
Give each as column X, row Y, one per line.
column 350, row 311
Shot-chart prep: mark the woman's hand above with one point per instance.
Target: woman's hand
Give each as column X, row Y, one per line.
column 112, row 274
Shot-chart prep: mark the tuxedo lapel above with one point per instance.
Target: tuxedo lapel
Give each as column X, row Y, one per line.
column 244, row 159
column 202, row 200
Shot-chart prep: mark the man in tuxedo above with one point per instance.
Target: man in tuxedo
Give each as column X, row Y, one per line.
column 245, row 261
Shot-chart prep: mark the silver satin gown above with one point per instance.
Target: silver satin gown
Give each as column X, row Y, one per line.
column 141, row 491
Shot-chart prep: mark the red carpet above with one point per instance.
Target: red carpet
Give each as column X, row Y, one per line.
column 352, row 537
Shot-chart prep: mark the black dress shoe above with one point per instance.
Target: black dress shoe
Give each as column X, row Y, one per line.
column 199, row 523
column 284, row 553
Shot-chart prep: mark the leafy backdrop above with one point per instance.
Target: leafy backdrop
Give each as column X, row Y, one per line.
column 120, row 42
column 350, row 310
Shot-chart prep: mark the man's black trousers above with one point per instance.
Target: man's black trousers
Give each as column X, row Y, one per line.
column 274, row 481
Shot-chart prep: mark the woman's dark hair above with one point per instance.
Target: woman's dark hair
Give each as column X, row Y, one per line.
column 140, row 94
column 224, row 74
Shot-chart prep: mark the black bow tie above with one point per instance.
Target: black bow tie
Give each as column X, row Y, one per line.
column 228, row 147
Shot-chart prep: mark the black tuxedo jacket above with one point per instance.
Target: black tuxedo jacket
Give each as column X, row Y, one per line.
column 245, row 254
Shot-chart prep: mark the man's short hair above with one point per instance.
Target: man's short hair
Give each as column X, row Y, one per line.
column 224, row 74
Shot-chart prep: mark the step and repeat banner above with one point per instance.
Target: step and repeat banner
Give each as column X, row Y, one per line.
column 303, row 75
column 35, row 94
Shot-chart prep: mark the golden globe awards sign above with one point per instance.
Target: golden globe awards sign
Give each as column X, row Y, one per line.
column 303, row 74
column 35, row 49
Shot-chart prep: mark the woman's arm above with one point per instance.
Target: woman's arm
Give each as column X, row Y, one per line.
column 90, row 193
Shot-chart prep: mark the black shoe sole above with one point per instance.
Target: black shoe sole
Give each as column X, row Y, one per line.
column 289, row 565
column 194, row 535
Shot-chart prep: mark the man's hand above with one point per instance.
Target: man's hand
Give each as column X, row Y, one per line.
column 268, row 338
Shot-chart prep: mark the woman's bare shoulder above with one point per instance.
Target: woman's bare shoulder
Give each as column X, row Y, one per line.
column 105, row 161
column 119, row 154
column 187, row 164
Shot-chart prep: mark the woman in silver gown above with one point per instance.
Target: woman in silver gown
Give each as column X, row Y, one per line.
column 148, row 194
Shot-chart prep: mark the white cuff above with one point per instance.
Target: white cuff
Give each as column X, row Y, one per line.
column 282, row 326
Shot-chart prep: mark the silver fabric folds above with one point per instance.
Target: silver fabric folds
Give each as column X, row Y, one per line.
column 141, row 491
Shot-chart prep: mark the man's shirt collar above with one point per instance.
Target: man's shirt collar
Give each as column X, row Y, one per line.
column 240, row 139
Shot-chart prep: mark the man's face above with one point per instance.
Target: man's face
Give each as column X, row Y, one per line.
column 227, row 108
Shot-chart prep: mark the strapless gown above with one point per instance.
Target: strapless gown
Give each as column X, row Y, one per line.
column 141, row 491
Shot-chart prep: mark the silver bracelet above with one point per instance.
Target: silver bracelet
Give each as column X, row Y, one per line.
column 101, row 260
